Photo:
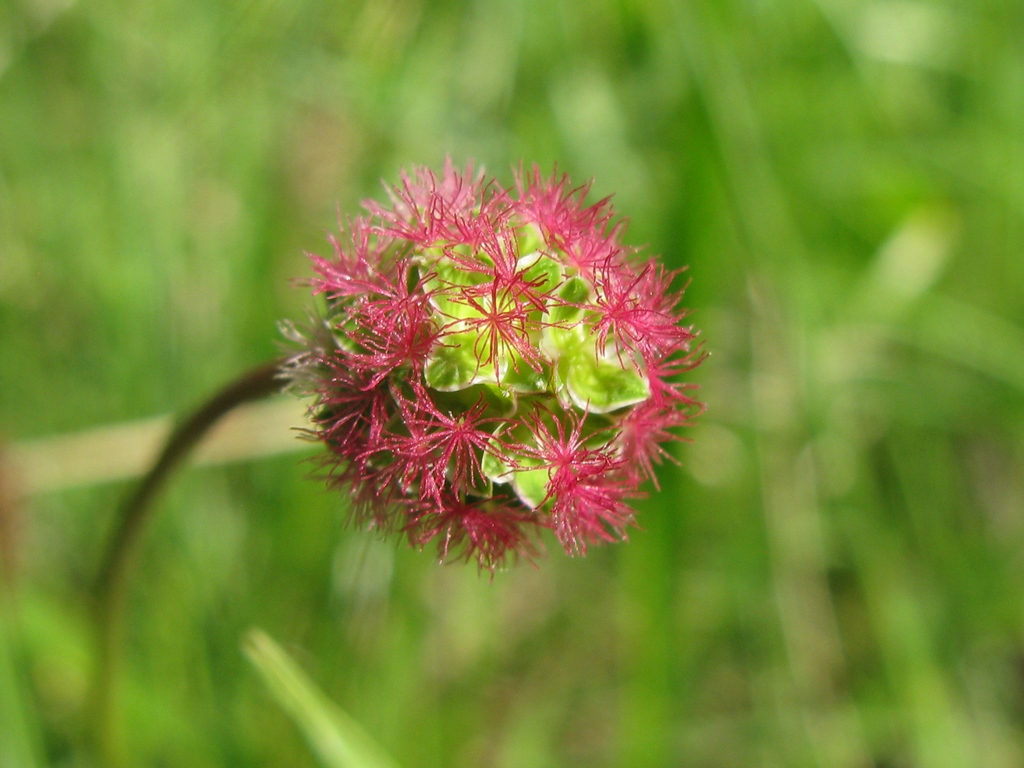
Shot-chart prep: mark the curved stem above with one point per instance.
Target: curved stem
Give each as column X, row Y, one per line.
column 130, row 521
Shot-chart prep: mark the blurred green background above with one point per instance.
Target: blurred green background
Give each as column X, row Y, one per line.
column 834, row 576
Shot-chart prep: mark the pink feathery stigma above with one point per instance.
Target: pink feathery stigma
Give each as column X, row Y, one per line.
column 491, row 362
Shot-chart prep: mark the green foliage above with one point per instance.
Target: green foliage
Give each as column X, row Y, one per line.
column 335, row 737
column 19, row 731
column 832, row 576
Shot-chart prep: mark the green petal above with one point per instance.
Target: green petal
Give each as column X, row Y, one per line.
column 444, row 281
column 602, row 384
column 518, row 376
column 494, row 468
column 531, row 485
column 573, row 291
column 541, row 270
column 452, row 364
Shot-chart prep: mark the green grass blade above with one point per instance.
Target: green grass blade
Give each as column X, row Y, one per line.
column 19, row 733
column 337, row 739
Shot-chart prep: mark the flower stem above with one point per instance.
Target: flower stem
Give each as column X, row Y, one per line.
column 130, row 522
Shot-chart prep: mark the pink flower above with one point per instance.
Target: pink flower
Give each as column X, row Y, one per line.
column 492, row 362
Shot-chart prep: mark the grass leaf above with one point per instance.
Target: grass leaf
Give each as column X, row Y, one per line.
column 337, row 739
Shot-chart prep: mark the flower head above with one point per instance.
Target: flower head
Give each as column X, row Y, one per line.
column 493, row 362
